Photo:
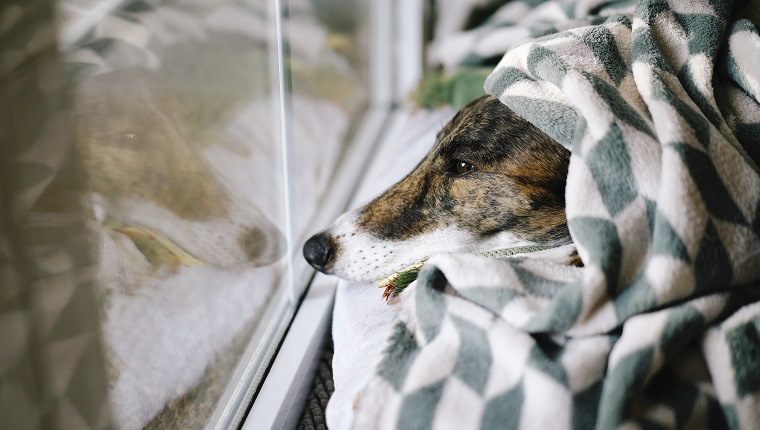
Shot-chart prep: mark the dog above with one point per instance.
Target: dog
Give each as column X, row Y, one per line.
column 491, row 181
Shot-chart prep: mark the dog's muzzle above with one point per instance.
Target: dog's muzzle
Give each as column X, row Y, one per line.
column 318, row 250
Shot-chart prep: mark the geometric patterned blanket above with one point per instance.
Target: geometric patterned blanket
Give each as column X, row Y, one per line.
column 659, row 102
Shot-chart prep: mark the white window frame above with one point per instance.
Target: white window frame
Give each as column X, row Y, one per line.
column 396, row 67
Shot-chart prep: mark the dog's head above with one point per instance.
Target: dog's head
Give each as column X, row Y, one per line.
column 492, row 180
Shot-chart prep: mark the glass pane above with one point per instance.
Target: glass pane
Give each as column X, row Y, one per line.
column 327, row 66
column 328, row 42
column 52, row 371
column 206, row 154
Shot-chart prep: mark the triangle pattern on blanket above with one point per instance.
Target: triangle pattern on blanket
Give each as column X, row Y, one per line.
column 601, row 42
column 474, row 362
column 398, row 356
column 419, row 409
column 714, row 193
column 713, row 264
column 665, row 240
column 503, row 411
column 610, row 165
column 743, row 343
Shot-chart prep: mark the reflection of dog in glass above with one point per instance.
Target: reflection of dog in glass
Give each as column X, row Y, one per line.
column 148, row 183
column 491, row 181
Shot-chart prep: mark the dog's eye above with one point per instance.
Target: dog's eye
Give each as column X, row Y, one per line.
column 460, row 167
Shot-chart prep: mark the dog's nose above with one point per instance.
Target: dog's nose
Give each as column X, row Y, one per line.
column 318, row 250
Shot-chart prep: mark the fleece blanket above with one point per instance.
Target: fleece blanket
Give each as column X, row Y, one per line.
column 659, row 103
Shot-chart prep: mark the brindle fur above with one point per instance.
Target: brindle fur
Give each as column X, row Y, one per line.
column 510, row 190
column 517, row 183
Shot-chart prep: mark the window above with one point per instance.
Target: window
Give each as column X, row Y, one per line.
column 162, row 163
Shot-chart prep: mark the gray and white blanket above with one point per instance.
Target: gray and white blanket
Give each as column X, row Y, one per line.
column 659, row 102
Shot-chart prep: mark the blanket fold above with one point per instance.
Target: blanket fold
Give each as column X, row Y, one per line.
column 661, row 328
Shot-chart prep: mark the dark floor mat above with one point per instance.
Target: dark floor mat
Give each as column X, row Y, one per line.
column 313, row 417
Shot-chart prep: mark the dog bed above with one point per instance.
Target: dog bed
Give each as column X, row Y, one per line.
column 659, row 102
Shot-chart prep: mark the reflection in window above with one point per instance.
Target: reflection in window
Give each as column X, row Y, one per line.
column 178, row 132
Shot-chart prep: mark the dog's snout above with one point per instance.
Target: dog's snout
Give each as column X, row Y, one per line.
column 318, row 250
